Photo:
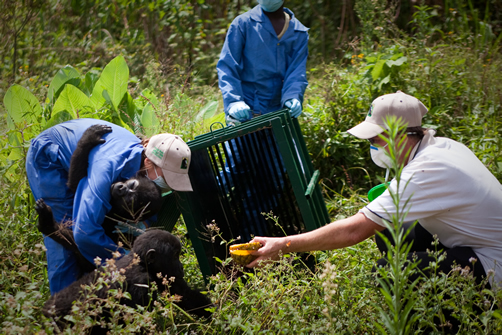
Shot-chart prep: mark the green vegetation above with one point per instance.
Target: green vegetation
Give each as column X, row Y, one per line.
column 58, row 54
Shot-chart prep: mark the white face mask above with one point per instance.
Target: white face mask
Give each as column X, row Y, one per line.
column 160, row 182
column 270, row 5
column 380, row 157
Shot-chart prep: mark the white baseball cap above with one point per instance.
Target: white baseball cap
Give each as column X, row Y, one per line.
column 172, row 155
column 404, row 106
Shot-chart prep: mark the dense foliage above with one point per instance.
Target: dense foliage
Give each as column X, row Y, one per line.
column 56, row 54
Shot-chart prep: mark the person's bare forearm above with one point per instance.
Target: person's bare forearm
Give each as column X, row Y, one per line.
column 338, row 234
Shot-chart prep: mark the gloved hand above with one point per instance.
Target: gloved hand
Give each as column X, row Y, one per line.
column 239, row 110
column 295, row 107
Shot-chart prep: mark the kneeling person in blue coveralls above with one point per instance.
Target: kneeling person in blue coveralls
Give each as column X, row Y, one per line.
column 164, row 159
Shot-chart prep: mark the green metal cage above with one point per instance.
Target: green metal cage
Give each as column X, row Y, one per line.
column 238, row 173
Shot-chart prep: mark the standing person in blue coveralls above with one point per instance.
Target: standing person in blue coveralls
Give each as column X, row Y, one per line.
column 122, row 156
column 262, row 66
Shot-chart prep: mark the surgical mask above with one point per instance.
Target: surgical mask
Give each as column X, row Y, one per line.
column 270, row 5
column 380, row 157
column 161, row 182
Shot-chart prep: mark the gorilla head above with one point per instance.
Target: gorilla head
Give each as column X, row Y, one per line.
column 158, row 253
column 135, row 199
column 161, row 254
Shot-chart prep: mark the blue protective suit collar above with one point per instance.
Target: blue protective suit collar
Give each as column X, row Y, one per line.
column 257, row 14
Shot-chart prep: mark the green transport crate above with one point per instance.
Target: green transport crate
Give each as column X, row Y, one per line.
column 238, row 173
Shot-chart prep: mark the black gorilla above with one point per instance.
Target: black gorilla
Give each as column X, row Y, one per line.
column 132, row 201
column 158, row 253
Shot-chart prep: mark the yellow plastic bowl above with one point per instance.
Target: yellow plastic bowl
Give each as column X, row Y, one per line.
column 241, row 253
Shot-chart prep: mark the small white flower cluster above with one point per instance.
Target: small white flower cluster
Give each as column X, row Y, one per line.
column 328, row 276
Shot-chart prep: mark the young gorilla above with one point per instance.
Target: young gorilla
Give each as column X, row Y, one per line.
column 158, row 253
column 132, row 201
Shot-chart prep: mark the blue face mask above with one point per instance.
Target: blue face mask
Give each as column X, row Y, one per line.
column 161, row 182
column 270, row 5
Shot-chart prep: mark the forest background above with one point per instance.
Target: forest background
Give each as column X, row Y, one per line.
column 444, row 52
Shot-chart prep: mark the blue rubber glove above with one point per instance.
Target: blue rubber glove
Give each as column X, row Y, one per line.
column 295, row 107
column 239, row 111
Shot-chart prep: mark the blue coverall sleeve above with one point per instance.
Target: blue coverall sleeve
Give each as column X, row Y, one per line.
column 92, row 202
column 229, row 66
column 295, row 79
column 91, row 206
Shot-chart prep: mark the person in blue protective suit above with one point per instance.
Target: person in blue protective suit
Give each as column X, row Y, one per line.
column 164, row 159
column 262, row 66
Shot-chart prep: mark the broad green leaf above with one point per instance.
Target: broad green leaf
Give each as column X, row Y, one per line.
column 208, row 111
column 89, row 82
column 384, row 81
column 146, row 96
column 74, row 101
column 15, row 140
column 16, row 154
column 396, row 56
column 137, row 124
column 149, row 120
column 216, row 118
column 131, row 108
column 114, row 80
column 21, row 105
column 397, row 62
column 108, row 98
column 377, row 70
column 119, row 122
column 131, row 113
column 64, row 76
column 152, row 98
column 58, row 118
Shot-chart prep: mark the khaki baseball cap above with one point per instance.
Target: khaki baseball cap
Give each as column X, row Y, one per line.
column 172, row 155
column 404, row 106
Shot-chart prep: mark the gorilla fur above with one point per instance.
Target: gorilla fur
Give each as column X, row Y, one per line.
column 132, row 201
column 158, row 253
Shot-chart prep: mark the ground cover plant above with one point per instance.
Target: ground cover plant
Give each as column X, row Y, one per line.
column 447, row 56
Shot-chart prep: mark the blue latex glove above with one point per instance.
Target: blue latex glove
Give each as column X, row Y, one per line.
column 295, row 107
column 239, row 111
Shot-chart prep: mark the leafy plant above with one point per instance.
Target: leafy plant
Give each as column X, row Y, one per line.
column 399, row 292
column 384, row 69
